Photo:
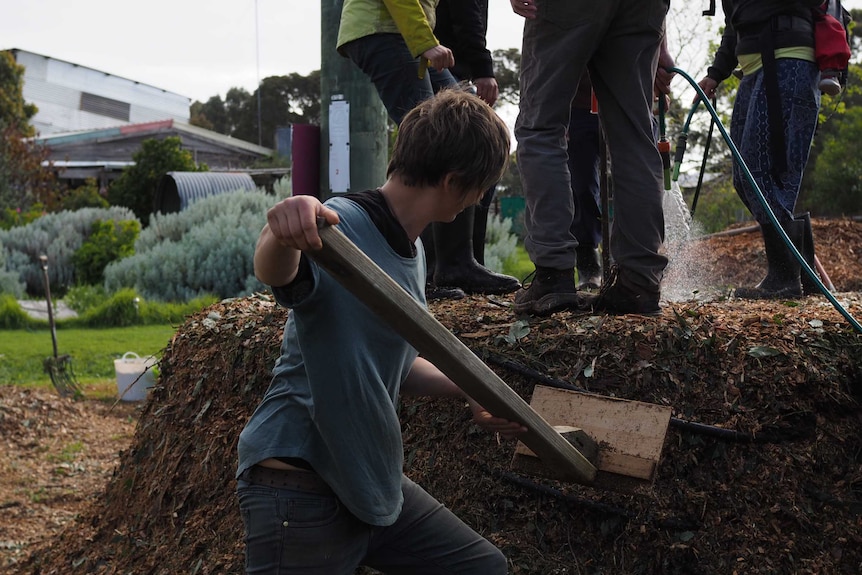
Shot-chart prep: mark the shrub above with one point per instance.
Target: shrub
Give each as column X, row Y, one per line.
column 57, row 235
column 126, row 307
column 83, row 298
column 136, row 186
column 207, row 248
column 13, row 218
column 121, row 310
column 86, row 196
column 500, row 243
column 11, row 314
column 10, row 282
column 108, row 242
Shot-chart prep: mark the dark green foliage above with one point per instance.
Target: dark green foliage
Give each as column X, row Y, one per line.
column 284, row 100
column 136, row 187
column 718, row 206
column 86, row 196
column 109, row 241
column 14, row 111
column 837, row 174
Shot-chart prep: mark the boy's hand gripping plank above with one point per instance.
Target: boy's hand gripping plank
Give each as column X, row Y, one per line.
column 371, row 285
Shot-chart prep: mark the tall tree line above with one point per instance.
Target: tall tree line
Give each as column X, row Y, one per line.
column 284, row 100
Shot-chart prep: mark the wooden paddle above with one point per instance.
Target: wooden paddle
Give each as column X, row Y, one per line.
column 371, row 285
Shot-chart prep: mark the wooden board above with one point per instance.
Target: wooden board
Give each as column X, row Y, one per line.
column 630, row 434
column 371, row 285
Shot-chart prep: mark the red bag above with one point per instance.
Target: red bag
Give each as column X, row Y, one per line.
column 831, row 42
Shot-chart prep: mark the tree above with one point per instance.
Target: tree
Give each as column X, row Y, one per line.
column 507, row 70
column 25, row 177
column 210, row 115
column 136, row 186
column 284, row 100
column 14, row 111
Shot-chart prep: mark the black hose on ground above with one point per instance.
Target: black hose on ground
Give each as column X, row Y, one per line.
column 803, row 425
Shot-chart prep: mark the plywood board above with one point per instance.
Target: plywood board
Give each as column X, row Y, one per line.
column 630, row 434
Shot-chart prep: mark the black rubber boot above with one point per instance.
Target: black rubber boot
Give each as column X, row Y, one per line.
column 433, row 292
column 782, row 275
column 809, row 286
column 480, row 228
column 455, row 264
column 589, row 267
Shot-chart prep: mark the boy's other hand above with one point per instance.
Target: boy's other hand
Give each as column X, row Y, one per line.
column 293, row 222
column 483, row 418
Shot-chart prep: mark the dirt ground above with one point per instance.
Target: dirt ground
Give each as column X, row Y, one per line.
column 92, row 487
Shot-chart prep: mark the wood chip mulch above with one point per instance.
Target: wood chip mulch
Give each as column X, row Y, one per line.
column 771, row 482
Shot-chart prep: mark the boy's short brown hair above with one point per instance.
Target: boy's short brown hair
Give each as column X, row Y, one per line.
column 454, row 132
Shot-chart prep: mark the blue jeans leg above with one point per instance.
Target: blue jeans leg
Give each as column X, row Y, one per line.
column 294, row 532
column 584, row 167
column 387, row 61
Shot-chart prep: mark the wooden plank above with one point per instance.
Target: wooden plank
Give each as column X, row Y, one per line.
column 630, row 434
column 371, row 285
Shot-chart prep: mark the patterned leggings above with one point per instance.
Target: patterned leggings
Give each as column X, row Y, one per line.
column 749, row 129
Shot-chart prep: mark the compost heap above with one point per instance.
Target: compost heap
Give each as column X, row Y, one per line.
column 773, row 485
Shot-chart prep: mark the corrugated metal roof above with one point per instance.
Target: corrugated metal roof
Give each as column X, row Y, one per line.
column 76, row 137
column 176, row 190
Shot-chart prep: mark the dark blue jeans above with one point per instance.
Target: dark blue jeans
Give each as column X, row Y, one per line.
column 387, row 61
column 294, row 532
column 584, row 168
column 749, row 130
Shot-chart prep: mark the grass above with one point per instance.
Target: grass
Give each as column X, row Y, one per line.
column 93, row 352
column 519, row 266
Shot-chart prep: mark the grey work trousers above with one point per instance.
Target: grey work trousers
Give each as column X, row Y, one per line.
column 619, row 40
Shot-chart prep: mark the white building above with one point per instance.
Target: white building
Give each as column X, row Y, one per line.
column 71, row 97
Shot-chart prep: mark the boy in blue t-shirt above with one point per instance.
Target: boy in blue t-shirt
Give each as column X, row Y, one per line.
column 320, row 481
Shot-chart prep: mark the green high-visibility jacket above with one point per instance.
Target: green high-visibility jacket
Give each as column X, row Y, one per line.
column 413, row 19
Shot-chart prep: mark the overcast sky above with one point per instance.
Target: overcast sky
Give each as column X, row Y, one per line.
column 197, row 48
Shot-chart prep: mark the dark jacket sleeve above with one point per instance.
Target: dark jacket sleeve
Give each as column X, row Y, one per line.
column 461, row 27
column 725, row 60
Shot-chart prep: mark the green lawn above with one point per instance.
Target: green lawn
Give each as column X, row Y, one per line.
column 520, row 266
column 93, row 352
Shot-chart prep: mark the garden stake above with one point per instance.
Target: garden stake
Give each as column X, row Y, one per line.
column 58, row 367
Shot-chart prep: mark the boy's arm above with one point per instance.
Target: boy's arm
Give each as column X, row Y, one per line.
column 291, row 227
column 425, row 379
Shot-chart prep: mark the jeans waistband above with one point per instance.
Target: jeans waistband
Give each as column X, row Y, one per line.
column 286, row 479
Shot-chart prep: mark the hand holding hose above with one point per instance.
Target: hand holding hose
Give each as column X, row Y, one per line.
column 709, row 86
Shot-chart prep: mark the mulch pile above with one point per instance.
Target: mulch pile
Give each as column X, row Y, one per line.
column 772, row 484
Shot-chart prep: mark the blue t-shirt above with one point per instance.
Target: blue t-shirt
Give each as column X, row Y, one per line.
column 332, row 400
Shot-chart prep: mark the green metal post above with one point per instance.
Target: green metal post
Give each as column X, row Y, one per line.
column 341, row 81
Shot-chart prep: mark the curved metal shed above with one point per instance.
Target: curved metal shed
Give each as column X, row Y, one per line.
column 176, row 190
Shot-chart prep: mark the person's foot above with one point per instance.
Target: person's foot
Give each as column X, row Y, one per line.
column 433, row 292
column 620, row 296
column 550, row 290
column 473, row 278
column 589, row 268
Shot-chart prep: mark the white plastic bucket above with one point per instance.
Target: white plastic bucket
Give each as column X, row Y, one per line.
column 134, row 376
